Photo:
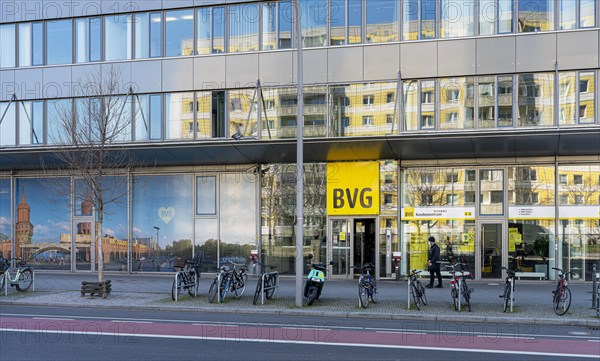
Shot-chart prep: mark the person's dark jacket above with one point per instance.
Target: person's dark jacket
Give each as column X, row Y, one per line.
column 434, row 254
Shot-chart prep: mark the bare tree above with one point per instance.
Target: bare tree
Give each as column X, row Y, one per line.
column 87, row 136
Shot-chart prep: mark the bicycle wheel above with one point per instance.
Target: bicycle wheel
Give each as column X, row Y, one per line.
column 212, row 292
column 257, row 292
column 225, row 286
column 562, row 301
column 507, row 296
column 270, row 283
column 466, row 294
column 414, row 292
column 240, row 285
column 373, row 291
column 26, row 279
column 454, row 294
column 363, row 296
column 176, row 288
column 422, row 294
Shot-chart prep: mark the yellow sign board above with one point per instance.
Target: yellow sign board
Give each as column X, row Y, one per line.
column 353, row 188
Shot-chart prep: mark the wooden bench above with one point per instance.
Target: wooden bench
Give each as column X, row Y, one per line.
column 101, row 289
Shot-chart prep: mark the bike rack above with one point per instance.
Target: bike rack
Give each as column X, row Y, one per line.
column 195, row 284
column 6, row 279
column 275, row 287
column 512, row 294
column 219, row 287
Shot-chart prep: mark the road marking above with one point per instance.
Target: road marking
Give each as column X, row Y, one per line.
column 508, row 337
column 402, row 332
column 123, row 321
column 312, row 343
column 306, row 328
column 579, row 333
column 53, row 318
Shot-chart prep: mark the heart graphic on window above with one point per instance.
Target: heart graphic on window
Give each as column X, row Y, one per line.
column 166, row 214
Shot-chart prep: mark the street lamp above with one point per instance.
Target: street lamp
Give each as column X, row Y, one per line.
column 157, row 229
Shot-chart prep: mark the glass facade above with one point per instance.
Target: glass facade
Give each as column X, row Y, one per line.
column 313, row 22
column 118, row 28
column 179, row 112
column 535, row 15
column 535, row 100
column 148, row 35
column 8, row 42
column 88, row 40
column 179, row 33
column 382, row 21
column 243, row 28
column 457, row 18
column 59, row 51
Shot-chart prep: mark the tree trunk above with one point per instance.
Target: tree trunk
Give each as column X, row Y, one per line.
column 100, row 255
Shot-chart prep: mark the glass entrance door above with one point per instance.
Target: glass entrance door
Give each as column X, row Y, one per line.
column 83, row 244
column 491, row 250
column 340, row 235
column 364, row 243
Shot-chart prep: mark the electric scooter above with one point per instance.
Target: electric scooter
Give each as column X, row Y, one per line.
column 314, row 281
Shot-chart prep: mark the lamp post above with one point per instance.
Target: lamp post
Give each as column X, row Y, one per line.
column 157, row 229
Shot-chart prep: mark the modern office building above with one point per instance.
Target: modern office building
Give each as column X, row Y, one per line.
column 473, row 121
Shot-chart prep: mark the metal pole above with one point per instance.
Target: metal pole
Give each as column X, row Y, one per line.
column 299, row 158
column 594, row 287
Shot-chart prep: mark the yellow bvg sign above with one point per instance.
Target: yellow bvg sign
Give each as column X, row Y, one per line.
column 352, row 188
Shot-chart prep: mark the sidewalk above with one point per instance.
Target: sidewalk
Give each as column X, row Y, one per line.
column 533, row 299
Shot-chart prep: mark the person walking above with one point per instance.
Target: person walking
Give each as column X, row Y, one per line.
column 434, row 263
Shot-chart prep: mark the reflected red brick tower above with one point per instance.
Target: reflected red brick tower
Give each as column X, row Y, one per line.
column 86, row 210
column 24, row 228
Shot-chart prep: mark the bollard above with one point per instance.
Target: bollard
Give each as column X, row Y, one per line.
column 594, row 288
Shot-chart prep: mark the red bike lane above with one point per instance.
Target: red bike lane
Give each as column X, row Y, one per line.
column 12, row 327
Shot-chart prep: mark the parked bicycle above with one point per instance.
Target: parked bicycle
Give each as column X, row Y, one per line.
column 186, row 278
column 367, row 287
column 417, row 291
column 509, row 288
column 218, row 285
column 266, row 285
column 239, row 279
column 229, row 279
column 562, row 295
column 459, row 286
column 23, row 275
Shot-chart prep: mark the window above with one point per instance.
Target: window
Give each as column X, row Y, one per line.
column 8, row 127
column 587, row 9
column 148, row 35
column 457, row 18
column 582, row 111
column 584, row 85
column 530, row 198
column 243, row 28
column 529, row 174
column 389, row 118
column 563, row 179
column 88, row 40
column 535, row 15
column 203, row 30
column 8, row 46
column 179, row 33
column 564, row 199
column 410, row 20
column 388, row 179
column 426, row 199
column 577, row 179
column 496, row 197
column 269, row 25
column 428, row 19
column 427, row 122
column 568, row 14
column 156, row 116
column 451, row 199
column 579, row 200
column 382, row 21
column 178, row 115
column 389, row 98
column 368, row 99
column 427, row 97
column 427, row 178
column 313, row 22
column 218, row 29
column 368, row 120
column 451, row 177
column 387, row 199
column 470, row 175
column 452, row 118
column 31, row 44
column 285, row 24
column 206, row 195
column 58, row 40
column 469, row 198
column 31, row 122
column 337, row 20
column 118, row 29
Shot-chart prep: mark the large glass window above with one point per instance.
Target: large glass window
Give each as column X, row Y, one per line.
column 58, row 41
column 206, row 195
column 428, row 96
column 218, row 29
column 162, row 213
column 411, row 105
column 6, row 230
column 536, row 15
column 207, row 241
column 410, row 20
column 243, row 112
column 56, row 113
column 313, row 21
column 587, row 11
column 243, row 28
column 495, row 16
column 31, row 122
column 491, row 196
column 487, row 101
column 203, row 115
column 337, row 20
column 428, row 19
column 362, row 109
column 285, row 24
column 88, row 39
column 269, row 26
column 148, row 117
column 315, row 111
column 203, row 30
column 578, row 218
column 43, row 226
column 179, row 33
column 457, row 18
column 25, row 44
column 457, row 103
column 148, row 35
column 8, row 46
column 37, row 43
column 179, row 111
column 118, row 37
column 536, row 100
column 382, row 21
column 8, row 128
column 568, row 14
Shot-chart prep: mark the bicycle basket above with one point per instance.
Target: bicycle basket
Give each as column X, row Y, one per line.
column 179, row 263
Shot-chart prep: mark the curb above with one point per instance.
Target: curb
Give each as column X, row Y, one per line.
column 340, row 314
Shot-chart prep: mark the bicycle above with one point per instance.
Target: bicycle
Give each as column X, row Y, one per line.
column 562, row 295
column 367, row 287
column 417, row 290
column 218, row 285
column 459, row 287
column 509, row 288
column 239, row 278
column 22, row 280
column 186, row 278
column 267, row 283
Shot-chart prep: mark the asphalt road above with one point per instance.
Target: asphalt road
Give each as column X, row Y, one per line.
column 51, row 333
